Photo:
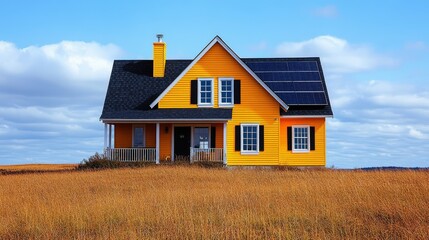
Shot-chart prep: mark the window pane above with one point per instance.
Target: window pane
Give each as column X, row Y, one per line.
column 205, row 91
column 250, row 138
column 226, row 91
column 138, row 138
column 300, row 138
column 201, row 137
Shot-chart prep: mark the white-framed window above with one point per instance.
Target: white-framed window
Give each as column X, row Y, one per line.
column 249, row 138
column 226, row 91
column 201, row 137
column 139, row 136
column 205, row 92
column 300, row 138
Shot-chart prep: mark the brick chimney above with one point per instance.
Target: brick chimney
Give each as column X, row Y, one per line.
column 159, row 56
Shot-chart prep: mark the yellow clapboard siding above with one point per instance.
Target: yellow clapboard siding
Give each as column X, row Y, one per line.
column 312, row 158
column 257, row 106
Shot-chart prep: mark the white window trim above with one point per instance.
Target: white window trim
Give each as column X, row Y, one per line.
column 144, row 135
column 308, row 139
column 199, row 94
column 221, row 104
column 247, row 152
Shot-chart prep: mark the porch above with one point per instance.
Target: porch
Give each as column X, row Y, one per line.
column 149, row 155
column 166, row 142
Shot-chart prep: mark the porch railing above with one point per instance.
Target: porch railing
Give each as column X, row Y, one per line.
column 206, row 155
column 131, row 154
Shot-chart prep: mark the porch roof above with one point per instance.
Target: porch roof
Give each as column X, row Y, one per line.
column 169, row 114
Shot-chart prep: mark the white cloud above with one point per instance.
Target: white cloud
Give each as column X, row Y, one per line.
column 416, row 133
column 51, row 98
column 57, row 70
column 383, row 123
column 71, row 60
column 329, row 11
column 377, row 122
column 338, row 56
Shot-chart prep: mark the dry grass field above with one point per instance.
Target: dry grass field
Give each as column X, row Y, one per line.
column 184, row 202
column 37, row 167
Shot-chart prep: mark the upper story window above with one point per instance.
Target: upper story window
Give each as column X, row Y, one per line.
column 205, row 92
column 301, row 139
column 226, row 91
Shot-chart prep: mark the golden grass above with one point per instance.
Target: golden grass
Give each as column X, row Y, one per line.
column 37, row 167
column 172, row 202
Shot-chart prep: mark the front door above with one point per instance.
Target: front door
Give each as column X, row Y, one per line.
column 182, row 143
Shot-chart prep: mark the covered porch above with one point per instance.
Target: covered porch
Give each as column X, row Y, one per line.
column 165, row 142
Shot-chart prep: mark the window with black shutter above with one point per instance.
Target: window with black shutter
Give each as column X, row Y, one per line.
column 261, row 138
column 194, row 91
column 301, row 138
column 237, row 138
column 213, row 137
column 237, row 91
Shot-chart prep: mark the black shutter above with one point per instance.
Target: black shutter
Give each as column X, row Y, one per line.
column 237, row 92
column 261, row 138
column 312, row 140
column 289, row 138
column 213, row 137
column 194, row 91
column 237, row 138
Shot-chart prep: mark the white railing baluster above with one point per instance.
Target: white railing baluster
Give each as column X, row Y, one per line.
column 207, row 155
column 131, row 154
column 149, row 154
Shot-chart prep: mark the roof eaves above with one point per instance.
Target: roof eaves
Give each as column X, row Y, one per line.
column 307, row 116
column 108, row 120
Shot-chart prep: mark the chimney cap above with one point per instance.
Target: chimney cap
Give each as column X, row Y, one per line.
column 159, row 36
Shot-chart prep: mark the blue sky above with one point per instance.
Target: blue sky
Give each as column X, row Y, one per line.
column 56, row 58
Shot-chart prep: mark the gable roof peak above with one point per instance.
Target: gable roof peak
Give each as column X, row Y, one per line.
column 219, row 40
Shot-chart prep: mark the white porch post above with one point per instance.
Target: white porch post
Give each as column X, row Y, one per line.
column 157, row 144
column 110, row 135
column 105, row 136
column 224, row 143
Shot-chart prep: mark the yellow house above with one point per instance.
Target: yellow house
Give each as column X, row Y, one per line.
column 217, row 107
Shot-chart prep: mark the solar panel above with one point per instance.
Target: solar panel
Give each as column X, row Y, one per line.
column 308, row 86
column 296, row 82
column 289, row 76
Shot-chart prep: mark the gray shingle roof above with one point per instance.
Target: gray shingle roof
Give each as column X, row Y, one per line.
column 172, row 114
column 132, row 89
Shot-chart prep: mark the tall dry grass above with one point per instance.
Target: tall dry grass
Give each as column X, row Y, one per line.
column 171, row 202
column 37, row 167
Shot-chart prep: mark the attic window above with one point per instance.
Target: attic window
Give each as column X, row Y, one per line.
column 205, row 92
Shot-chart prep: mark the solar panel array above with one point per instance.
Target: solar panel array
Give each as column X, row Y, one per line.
column 295, row 82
